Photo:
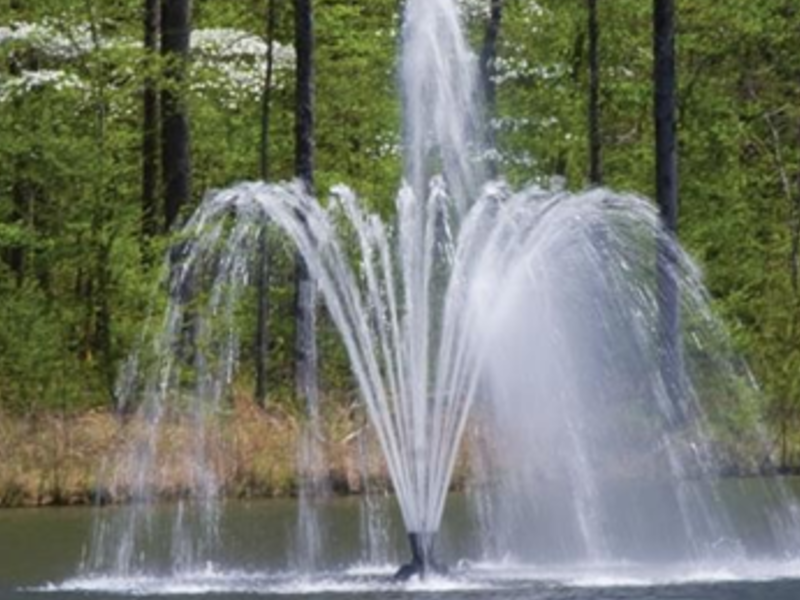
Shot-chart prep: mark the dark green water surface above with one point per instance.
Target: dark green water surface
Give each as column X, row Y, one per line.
column 41, row 553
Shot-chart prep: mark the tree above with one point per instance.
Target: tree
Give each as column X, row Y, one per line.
column 152, row 10
column 266, row 94
column 489, row 70
column 262, row 284
column 22, row 201
column 305, row 292
column 664, row 79
column 595, row 140
column 175, row 155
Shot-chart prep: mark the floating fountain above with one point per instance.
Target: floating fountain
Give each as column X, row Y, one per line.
column 540, row 307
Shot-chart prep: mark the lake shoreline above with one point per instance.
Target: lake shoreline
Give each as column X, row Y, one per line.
column 62, row 460
column 52, row 460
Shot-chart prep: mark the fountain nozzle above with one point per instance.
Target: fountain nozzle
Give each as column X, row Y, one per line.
column 422, row 562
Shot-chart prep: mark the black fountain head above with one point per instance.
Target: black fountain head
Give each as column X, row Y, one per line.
column 423, row 561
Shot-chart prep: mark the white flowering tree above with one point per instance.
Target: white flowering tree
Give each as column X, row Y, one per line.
column 72, row 77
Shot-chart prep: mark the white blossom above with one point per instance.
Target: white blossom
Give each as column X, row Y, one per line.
column 224, row 44
column 51, row 37
column 515, row 68
column 28, row 81
column 475, row 9
column 533, row 9
column 232, row 63
column 519, row 159
column 229, row 63
column 388, row 145
column 481, row 9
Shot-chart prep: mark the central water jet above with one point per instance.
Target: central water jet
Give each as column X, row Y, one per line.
column 423, row 558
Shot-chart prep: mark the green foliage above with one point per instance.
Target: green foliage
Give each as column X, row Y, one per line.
column 76, row 279
column 40, row 364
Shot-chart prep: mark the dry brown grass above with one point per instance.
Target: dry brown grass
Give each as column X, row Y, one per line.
column 52, row 459
column 72, row 460
column 79, row 459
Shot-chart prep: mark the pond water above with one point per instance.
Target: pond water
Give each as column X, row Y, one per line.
column 41, row 553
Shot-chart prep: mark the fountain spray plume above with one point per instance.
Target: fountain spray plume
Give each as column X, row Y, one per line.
column 398, row 307
column 545, row 304
column 442, row 118
column 442, row 121
column 172, row 390
column 590, row 462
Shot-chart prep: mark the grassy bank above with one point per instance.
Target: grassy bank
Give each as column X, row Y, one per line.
column 59, row 460
column 56, row 459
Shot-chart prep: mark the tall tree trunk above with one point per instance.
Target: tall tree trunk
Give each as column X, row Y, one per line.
column 312, row 479
column 266, row 93
column 176, row 166
column 175, row 157
column 304, row 125
column 150, row 141
column 262, row 330
column 665, row 113
column 664, row 76
column 262, row 338
column 488, row 73
column 595, row 140
column 305, row 288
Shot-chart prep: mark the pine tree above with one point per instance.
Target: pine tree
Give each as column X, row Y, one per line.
column 305, row 288
column 150, row 130
column 595, row 139
column 262, row 284
column 664, row 79
column 176, row 16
